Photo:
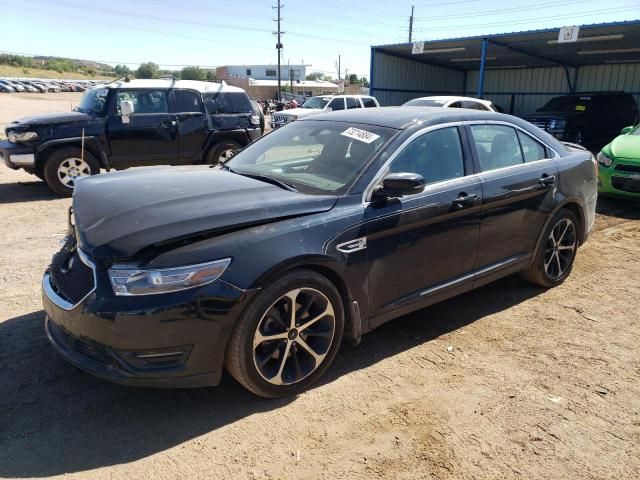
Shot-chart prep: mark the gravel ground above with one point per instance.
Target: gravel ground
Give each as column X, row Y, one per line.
column 18, row 105
column 536, row 384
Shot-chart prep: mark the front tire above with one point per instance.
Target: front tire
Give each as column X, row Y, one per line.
column 288, row 336
column 222, row 152
column 556, row 253
column 65, row 166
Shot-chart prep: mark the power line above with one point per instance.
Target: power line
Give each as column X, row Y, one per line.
column 531, row 20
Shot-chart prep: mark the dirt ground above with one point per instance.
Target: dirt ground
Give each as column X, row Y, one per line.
column 18, row 105
column 509, row 381
column 538, row 384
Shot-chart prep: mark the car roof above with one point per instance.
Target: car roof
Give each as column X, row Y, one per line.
column 162, row 83
column 402, row 117
column 342, row 96
column 448, row 98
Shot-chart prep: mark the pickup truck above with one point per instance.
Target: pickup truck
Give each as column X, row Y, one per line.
column 133, row 123
column 323, row 103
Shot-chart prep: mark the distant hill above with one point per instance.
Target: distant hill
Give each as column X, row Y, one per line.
column 65, row 67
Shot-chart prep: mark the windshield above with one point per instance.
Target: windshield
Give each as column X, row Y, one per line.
column 316, row 157
column 424, row 102
column 316, row 102
column 93, row 101
column 567, row 104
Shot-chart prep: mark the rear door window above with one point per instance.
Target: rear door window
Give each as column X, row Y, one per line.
column 532, row 150
column 497, row 146
column 474, row 105
column 187, row 101
column 352, row 103
column 369, row 102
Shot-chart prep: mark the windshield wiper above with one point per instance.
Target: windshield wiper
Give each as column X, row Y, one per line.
column 264, row 178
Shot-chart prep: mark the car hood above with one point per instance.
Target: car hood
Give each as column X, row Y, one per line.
column 119, row 214
column 626, row 146
column 50, row 119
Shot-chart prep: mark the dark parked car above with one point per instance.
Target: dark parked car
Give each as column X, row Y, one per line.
column 164, row 122
column 588, row 119
column 320, row 231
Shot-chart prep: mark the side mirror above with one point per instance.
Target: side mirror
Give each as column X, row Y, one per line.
column 626, row 130
column 126, row 109
column 399, row 184
column 329, row 109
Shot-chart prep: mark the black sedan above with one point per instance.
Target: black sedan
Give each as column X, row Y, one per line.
column 315, row 234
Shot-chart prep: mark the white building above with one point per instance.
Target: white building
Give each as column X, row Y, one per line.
column 262, row 72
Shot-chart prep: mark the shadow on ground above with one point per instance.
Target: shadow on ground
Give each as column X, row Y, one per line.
column 56, row 419
column 35, row 190
column 619, row 207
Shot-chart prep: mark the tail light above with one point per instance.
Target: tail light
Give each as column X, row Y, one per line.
column 254, row 120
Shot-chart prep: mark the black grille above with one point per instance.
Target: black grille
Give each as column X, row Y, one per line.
column 85, row 348
column 626, row 184
column 70, row 277
column 540, row 122
column 628, row 168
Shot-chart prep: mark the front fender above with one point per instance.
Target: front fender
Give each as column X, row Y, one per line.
column 91, row 143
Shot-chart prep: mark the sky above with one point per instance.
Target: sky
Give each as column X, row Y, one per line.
column 209, row 33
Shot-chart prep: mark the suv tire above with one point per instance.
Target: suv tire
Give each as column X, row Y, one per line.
column 223, row 151
column 64, row 166
column 302, row 345
column 557, row 250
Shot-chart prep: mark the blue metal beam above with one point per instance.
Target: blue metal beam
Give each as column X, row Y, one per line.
column 483, row 60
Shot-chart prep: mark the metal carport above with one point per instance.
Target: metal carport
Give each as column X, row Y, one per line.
column 519, row 71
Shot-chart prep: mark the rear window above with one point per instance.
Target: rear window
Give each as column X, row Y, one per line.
column 227, row 102
column 369, row 102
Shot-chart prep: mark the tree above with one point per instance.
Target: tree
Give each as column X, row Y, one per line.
column 364, row 82
column 193, row 73
column 147, row 70
column 353, row 78
column 315, row 76
column 122, row 70
column 211, row 75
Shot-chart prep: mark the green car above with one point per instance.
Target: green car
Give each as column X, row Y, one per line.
column 619, row 165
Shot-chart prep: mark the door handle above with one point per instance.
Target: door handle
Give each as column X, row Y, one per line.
column 463, row 200
column 547, row 180
column 168, row 123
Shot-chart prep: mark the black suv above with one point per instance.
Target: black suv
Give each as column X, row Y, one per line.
column 133, row 123
column 589, row 119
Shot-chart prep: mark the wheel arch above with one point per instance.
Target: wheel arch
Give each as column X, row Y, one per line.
column 91, row 145
column 330, row 269
column 574, row 207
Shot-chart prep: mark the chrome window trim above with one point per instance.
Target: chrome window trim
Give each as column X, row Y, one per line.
column 57, row 299
column 366, row 196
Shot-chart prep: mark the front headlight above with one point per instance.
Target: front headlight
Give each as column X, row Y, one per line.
column 555, row 124
column 604, row 159
column 21, row 137
column 140, row 281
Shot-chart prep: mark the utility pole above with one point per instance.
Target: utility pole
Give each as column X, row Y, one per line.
column 279, row 47
column 339, row 68
column 411, row 24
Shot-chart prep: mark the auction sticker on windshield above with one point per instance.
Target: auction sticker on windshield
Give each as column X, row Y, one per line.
column 361, row 135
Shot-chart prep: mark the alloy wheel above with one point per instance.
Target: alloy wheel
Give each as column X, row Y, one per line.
column 71, row 169
column 226, row 155
column 560, row 249
column 294, row 336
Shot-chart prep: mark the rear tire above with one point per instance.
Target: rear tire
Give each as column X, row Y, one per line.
column 222, row 152
column 556, row 253
column 274, row 353
column 63, row 167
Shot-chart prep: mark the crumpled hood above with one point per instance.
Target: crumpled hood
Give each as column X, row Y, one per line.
column 626, row 146
column 50, row 119
column 119, row 214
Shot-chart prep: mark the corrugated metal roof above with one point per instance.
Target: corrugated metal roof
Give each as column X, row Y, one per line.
column 597, row 44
